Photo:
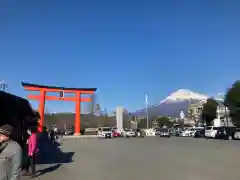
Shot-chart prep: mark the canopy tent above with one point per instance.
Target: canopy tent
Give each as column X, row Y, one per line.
column 16, row 111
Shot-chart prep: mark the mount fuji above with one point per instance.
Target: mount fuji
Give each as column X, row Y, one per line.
column 173, row 104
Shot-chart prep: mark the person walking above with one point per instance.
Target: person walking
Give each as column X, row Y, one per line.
column 32, row 150
column 52, row 136
column 10, row 154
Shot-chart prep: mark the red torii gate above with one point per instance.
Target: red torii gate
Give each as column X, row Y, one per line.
column 42, row 97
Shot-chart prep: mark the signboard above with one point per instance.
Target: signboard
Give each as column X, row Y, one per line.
column 61, row 95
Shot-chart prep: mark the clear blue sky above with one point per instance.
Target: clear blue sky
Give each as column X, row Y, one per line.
column 124, row 48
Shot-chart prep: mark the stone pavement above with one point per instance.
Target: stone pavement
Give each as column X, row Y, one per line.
column 144, row 158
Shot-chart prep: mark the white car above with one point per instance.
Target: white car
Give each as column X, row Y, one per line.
column 211, row 132
column 105, row 132
column 164, row 132
column 237, row 134
column 129, row 133
column 150, row 132
column 188, row 132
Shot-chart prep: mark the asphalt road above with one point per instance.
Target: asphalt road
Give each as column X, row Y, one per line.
column 147, row 158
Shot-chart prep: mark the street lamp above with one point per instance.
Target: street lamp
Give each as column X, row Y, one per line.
column 225, row 111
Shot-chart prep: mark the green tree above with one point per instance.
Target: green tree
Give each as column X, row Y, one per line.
column 209, row 112
column 164, row 121
column 142, row 122
column 232, row 101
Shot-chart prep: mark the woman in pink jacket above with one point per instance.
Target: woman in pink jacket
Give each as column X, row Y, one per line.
column 32, row 150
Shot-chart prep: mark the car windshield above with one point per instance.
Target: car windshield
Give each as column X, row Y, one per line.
column 106, row 129
column 164, row 130
column 209, row 128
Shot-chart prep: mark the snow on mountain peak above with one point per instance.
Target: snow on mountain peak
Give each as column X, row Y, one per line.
column 183, row 95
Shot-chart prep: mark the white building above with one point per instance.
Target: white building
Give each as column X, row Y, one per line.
column 223, row 118
column 119, row 117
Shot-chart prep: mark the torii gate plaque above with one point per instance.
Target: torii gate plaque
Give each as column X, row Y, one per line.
column 42, row 97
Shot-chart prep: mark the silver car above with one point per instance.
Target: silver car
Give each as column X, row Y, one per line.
column 164, row 132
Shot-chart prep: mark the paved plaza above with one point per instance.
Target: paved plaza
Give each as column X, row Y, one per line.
column 146, row 158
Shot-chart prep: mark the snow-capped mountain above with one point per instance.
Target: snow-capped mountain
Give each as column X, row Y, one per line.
column 173, row 104
column 184, row 95
column 219, row 97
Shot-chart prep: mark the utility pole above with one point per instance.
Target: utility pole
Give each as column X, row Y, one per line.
column 146, row 108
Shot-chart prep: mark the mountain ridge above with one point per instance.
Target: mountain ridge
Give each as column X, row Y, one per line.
column 173, row 104
column 184, row 94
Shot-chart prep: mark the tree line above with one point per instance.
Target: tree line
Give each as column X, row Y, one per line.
column 231, row 102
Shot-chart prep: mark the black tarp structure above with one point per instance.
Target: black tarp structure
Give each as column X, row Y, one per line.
column 17, row 111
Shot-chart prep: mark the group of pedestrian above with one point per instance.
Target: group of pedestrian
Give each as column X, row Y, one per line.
column 16, row 158
column 55, row 135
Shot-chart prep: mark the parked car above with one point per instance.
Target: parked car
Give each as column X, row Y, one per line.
column 187, row 133
column 129, row 133
column 178, row 132
column 157, row 131
column 150, row 132
column 115, row 133
column 136, row 132
column 199, row 133
column 190, row 132
column 105, row 132
column 220, row 132
column 173, row 131
column 140, row 133
column 164, row 132
column 237, row 134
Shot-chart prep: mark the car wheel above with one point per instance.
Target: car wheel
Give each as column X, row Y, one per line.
column 229, row 137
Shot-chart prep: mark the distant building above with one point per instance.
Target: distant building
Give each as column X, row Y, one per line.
column 195, row 111
column 223, row 118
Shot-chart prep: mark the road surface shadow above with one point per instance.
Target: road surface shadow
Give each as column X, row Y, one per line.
column 50, row 153
column 48, row 170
